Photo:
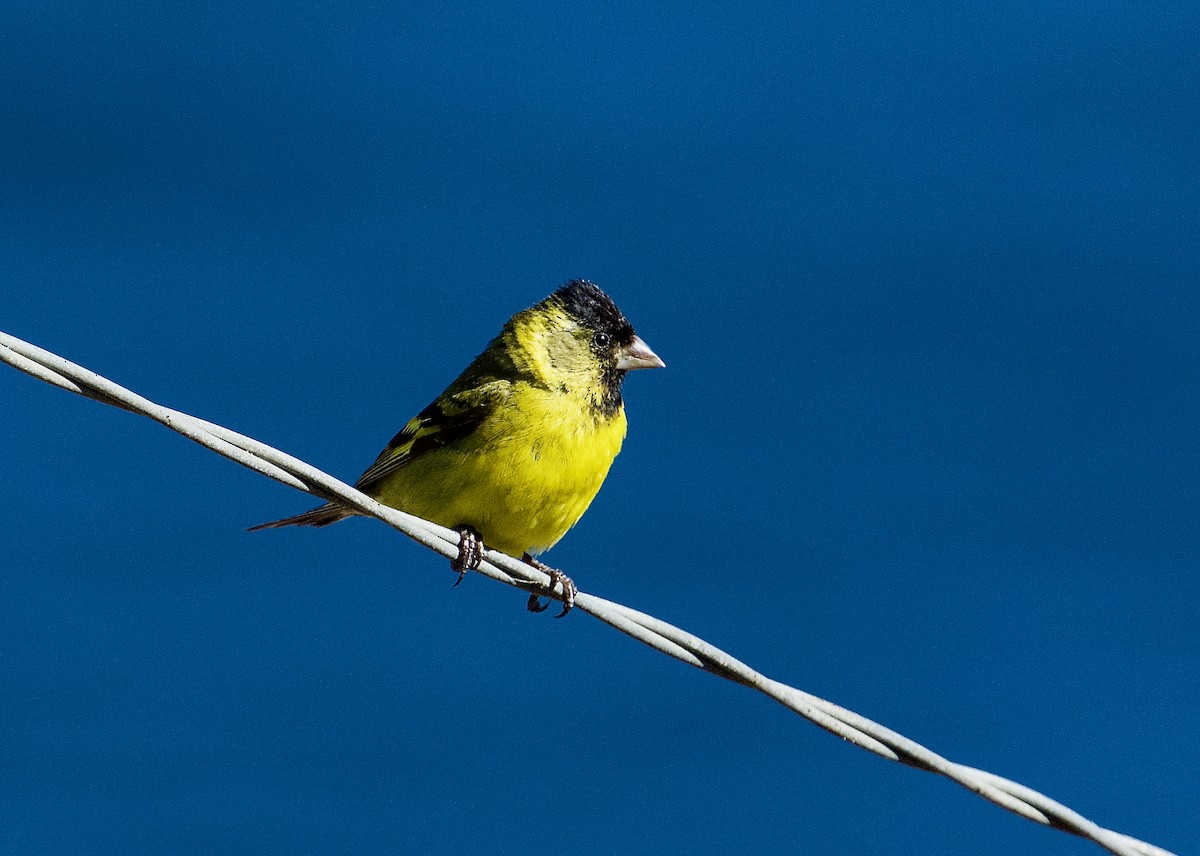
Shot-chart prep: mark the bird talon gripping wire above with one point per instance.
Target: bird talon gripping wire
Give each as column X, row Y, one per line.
column 557, row 578
column 470, row 552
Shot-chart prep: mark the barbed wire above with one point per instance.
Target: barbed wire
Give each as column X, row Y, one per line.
column 652, row 631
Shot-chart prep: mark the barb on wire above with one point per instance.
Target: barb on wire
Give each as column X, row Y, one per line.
column 658, row 634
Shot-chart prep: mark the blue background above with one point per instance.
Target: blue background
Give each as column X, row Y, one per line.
column 925, row 278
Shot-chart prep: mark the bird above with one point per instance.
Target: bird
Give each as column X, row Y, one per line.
column 513, row 452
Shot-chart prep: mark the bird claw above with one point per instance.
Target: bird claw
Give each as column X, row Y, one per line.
column 470, row 552
column 557, row 578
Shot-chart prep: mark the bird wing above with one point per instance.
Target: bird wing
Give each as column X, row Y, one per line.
column 449, row 419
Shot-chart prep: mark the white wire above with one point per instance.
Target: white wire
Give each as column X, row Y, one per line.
column 645, row 628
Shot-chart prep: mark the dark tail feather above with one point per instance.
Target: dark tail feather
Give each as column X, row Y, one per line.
column 323, row 516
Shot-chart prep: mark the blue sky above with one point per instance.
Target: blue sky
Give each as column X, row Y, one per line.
column 924, row 276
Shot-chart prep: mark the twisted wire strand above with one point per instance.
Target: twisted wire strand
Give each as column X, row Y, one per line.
column 652, row 631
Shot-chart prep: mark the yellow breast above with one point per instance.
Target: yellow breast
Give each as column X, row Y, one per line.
column 522, row 479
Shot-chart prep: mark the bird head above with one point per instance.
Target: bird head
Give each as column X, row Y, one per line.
column 584, row 343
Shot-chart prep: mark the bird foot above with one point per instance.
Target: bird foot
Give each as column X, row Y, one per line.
column 557, row 578
column 470, row 552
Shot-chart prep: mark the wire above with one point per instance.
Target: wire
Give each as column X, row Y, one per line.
column 654, row 632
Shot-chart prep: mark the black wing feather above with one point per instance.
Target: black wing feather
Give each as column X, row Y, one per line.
column 438, row 425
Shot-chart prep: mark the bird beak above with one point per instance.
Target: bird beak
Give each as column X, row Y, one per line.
column 637, row 355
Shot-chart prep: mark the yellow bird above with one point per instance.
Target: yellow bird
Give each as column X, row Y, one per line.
column 515, row 449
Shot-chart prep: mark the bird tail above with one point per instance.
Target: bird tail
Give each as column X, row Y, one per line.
column 323, row 516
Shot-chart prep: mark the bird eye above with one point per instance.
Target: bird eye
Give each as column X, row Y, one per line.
column 602, row 339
